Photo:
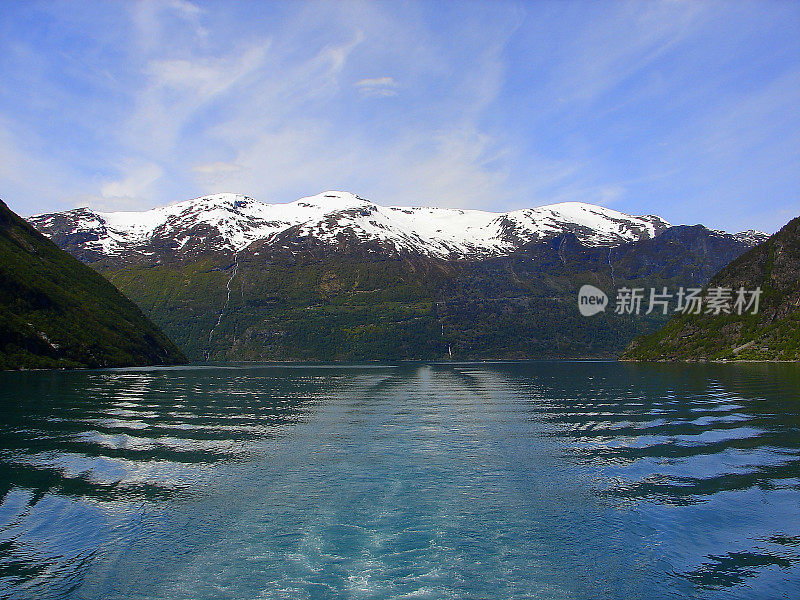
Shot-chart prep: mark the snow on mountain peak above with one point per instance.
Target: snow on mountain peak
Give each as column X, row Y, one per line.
column 235, row 221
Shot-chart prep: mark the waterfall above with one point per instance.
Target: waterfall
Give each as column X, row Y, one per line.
column 227, row 300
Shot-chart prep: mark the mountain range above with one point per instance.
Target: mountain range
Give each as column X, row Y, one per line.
column 233, row 222
column 336, row 277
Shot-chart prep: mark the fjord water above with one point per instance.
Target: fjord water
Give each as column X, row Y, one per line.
column 526, row 480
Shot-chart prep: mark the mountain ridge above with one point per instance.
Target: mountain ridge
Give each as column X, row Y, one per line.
column 235, row 221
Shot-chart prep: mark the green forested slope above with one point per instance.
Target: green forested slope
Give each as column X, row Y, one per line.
column 771, row 334
column 297, row 299
column 57, row 312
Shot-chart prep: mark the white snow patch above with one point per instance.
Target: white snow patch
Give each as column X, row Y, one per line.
column 435, row 231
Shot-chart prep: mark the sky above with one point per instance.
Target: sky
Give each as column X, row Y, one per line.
column 685, row 109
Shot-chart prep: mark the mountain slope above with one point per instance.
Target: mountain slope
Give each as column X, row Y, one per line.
column 57, row 312
column 300, row 299
column 771, row 334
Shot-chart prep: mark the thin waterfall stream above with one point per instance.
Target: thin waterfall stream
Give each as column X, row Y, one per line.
column 227, row 300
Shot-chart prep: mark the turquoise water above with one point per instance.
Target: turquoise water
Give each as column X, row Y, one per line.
column 526, row 480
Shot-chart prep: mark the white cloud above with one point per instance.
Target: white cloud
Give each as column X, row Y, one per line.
column 267, row 116
column 601, row 59
column 298, row 156
column 151, row 19
column 216, row 175
column 377, row 87
column 178, row 89
column 134, row 185
column 609, row 194
column 216, row 168
column 456, row 167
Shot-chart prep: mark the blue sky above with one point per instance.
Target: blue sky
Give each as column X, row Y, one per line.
column 689, row 110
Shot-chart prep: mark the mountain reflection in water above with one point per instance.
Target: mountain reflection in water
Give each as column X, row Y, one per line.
column 539, row 479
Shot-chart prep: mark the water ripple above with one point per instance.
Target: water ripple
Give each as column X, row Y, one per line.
column 545, row 480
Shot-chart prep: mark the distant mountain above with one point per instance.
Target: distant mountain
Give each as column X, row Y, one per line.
column 336, row 277
column 773, row 333
column 233, row 222
column 57, row 312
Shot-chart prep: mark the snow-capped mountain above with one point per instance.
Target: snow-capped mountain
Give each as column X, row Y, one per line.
column 231, row 278
column 232, row 222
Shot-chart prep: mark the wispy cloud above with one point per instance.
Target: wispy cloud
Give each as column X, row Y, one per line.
column 377, row 87
column 216, row 168
column 154, row 21
column 136, row 183
column 660, row 107
column 178, row 89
